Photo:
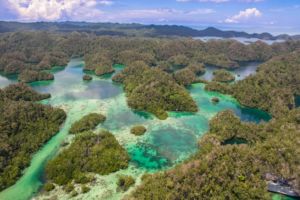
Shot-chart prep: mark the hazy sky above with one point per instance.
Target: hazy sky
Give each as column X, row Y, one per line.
column 276, row 16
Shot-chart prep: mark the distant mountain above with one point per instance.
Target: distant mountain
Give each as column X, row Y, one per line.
column 116, row 29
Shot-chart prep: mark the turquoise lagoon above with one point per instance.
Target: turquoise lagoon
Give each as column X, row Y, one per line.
column 165, row 143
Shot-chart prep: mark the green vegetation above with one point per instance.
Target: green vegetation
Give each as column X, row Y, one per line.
column 99, row 71
column 87, row 123
column 42, row 50
column 178, row 61
column 24, row 127
column 21, row 92
column 85, row 189
column 31, row 51
column 74, row 193
column 218, row 60
column 153, row 90
column 48, row 187
column 28, row 76
column 134, row 29
column 162, row 57
column 219, row 87
column 138, row 130
column 185, row 77
column 154, row 79
column 83, row 179
column 239, row 169
column 69, row 187
column 215, row 100
column 271, row 89
column 188, row 75
column 98, row 63
column 197, row 68
column 89, row 152
column 125, row 182
column 223, row 75
column 87, row 78
column 226, row 126
column 232, row 171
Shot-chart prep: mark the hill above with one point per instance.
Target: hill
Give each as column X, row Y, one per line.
column 116, row 29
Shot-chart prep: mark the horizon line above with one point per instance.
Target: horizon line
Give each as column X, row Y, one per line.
column 194, row 27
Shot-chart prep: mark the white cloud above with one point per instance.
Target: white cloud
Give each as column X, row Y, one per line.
column 50, row 10
column 91, row 10
column 244, row 15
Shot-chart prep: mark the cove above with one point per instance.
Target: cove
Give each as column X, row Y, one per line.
column 240, row 73
column 5, row 80
column 165, row 143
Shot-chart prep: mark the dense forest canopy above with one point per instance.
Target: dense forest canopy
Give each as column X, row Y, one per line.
column 159, row 62
column 162, row 92
column 87, row 123
column 41, row 50
column 21, row 92
column 89, row 152
column 222, row 75
column 29, row 76
column 273, row 88
column 138, row 130
column 31, row 51
column 154, row 79
column 24, row 127
column 221, row 171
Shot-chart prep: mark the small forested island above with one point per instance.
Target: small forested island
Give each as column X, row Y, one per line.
column 138, row 130
column 88, row 122
column 87, row 77
column 215, row 100
column 163, row 93
column 89, row 153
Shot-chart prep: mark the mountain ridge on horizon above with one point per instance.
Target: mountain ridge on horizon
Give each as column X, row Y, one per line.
column 135, row 29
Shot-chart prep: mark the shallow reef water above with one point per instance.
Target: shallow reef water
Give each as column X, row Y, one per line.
column 165, row 143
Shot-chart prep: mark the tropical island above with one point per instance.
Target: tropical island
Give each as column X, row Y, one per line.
column 98, row 153
column 86, row 123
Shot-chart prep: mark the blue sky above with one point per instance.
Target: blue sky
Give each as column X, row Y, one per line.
column 275, row 16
